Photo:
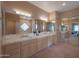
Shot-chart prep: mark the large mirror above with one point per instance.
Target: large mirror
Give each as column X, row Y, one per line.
column 15, row 24
column 70, row 28
column 51, row 27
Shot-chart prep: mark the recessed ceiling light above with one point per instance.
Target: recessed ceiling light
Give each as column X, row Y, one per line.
column 63, row 4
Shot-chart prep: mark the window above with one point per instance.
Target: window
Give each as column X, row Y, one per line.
column 24, row 26
column 75, row 27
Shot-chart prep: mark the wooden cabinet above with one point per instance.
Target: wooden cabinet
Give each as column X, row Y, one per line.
column 11, row 50
column 45, row 42
column 39, row 44
column 28, row 48
column 42, row 43
column 25, row 51
column 52, row 40
column 33, row 46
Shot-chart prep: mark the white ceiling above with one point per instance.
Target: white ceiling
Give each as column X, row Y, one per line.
column 50, row 6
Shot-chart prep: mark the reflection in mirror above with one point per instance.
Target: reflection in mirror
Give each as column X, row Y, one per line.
column 65, row 25
column 71, row 24
column 75, row 27
column 51, row 26
column 39, row 25
column 63, row 28
column 70, row 27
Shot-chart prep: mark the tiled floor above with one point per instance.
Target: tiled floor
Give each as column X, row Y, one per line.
column 63, row 50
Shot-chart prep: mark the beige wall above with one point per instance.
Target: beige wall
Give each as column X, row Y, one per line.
column 73, row 12
column 58, row 25
column 55, row 16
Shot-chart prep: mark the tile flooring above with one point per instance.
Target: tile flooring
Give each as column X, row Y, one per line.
column 60, row 50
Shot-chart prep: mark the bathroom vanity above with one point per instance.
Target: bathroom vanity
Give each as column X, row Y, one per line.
column 26, row 45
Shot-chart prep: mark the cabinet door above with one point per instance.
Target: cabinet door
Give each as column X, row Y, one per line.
column 45, row 42
column 50, row 40
column 28, row 48
column 12, row 50
column 54, row 39
column 25, row 51
column 39, row 44
column 33, row 47
column 42, row 43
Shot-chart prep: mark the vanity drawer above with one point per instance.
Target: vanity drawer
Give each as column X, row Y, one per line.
column 28, row 42
column 11, row 46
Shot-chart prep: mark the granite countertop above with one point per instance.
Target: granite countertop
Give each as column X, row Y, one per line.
column 23, row 37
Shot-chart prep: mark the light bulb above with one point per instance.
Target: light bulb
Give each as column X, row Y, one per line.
column 17, row 12
column 53, row 21
column 63, row 4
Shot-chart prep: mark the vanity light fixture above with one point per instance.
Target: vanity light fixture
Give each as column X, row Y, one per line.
column 43, row 18
column 17, row 12
column 62, row 24
column 22, row 13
